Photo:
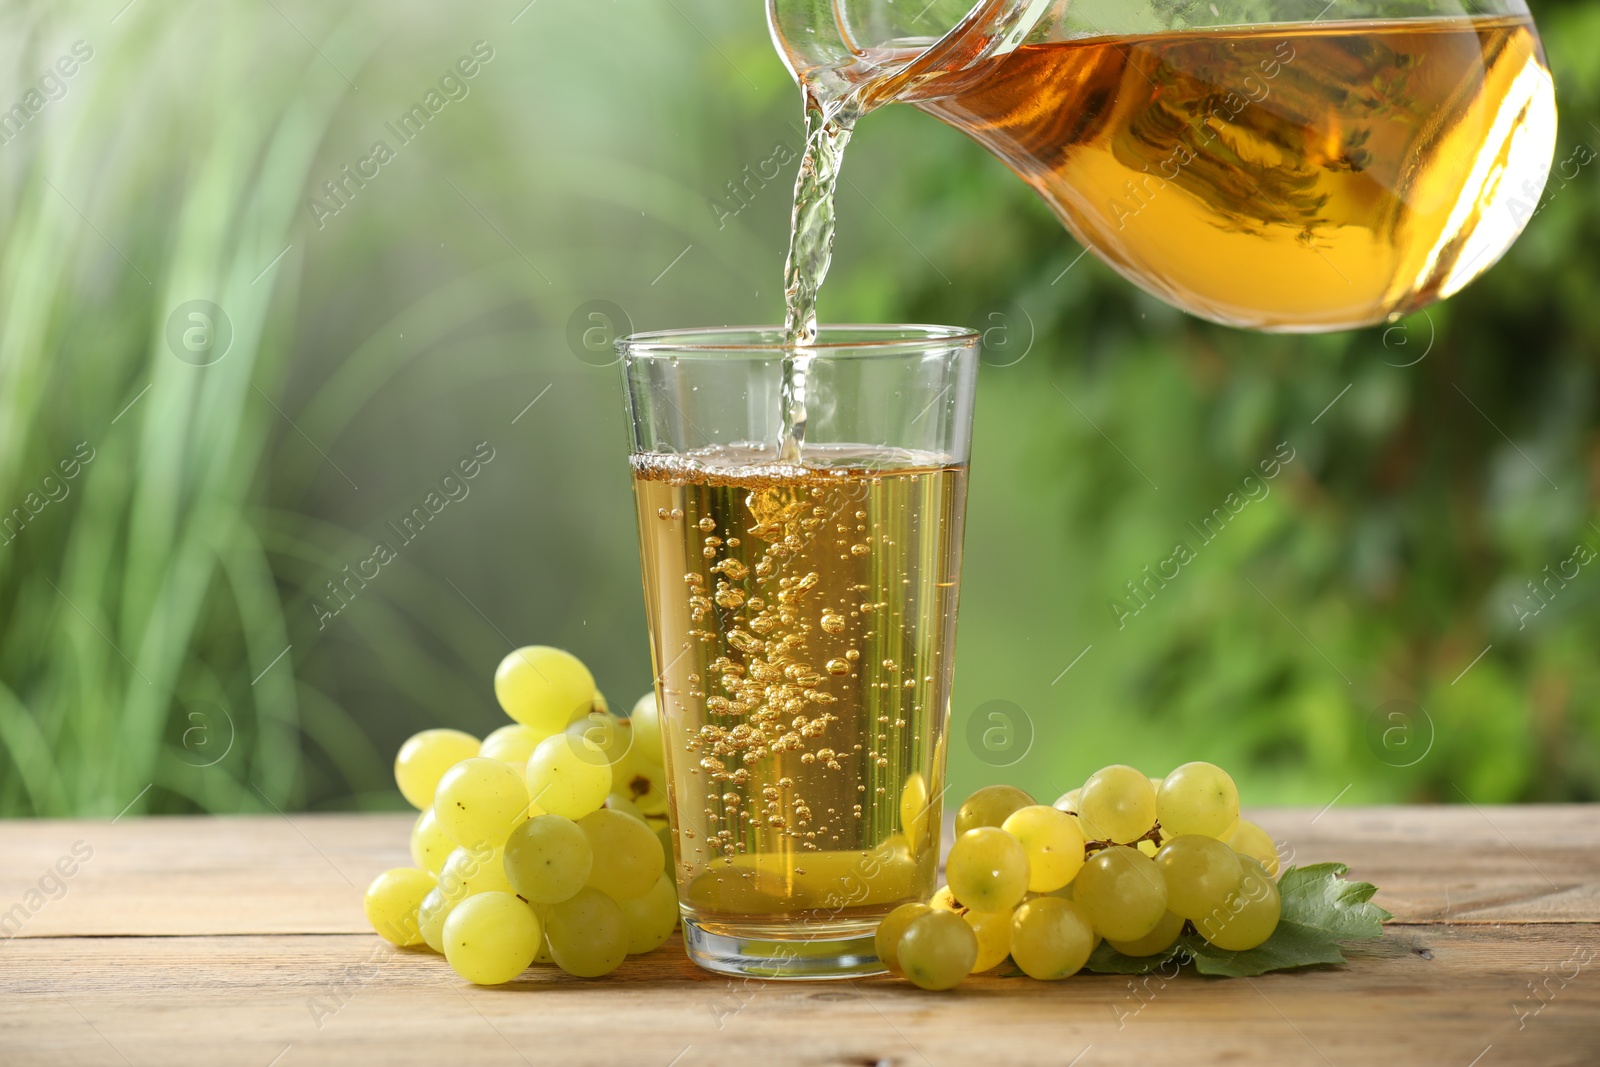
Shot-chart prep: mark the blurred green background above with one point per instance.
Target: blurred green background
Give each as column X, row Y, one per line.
column 168, row 641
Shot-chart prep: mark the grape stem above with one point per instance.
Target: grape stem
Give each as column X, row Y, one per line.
column 1152, row 834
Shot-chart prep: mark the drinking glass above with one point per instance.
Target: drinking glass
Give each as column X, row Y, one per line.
column 802, row 625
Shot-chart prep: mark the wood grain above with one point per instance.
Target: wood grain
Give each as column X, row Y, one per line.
column 1432, row 994
column 241, row 941
column 304, row 873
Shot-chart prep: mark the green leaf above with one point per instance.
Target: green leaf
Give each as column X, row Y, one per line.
column 1320, row 909
column 1107, row 960
column 1319, row 897
column 1291, row 945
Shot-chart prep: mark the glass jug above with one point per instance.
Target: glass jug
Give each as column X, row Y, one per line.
column 1285, row 165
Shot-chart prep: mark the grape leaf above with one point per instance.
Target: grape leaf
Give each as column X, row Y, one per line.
column 1107, row 960
column 1319, row 897
column 1291, row 945
column 1320, row 909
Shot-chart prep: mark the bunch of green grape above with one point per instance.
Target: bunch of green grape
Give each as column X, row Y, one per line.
column 1132, row 860
column 546, row 842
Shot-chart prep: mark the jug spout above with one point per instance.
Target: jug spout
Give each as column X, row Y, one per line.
column 880, row 50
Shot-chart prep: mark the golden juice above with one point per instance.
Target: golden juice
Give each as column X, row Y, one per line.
column 803, row 623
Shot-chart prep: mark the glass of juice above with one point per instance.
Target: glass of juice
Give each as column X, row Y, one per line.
column 800, row 522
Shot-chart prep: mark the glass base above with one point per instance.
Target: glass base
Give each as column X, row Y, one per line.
column 808, row 959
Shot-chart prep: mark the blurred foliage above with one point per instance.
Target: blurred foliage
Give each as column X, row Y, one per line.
column 1326, row 644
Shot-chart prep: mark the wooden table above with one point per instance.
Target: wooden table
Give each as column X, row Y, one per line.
column 222, row 941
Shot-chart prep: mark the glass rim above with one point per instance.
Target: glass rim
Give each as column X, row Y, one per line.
column 837, row 340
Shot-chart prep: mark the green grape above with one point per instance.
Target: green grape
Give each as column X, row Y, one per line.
column 891, row 929
column 491, row 938
column 471, row 875
column 1066, row 892
column 452, row 883
column 993, row 931
column 1250, row 915
column 632, row 775
column 1248, row 839
column 469, row 871
column 568, row 776
column 424, row 758
column 625, row 806
column 392, row 901
column 642, row 782
column 937, row 950
column 1068, row 801
column 1051, row 938
column 601, row 704
column 987, row 869
column 646, row 720
column 1053, row 842
column 944, row 900
column 636, row 770
column 1157, row 941
column 544, row 688
column 431, row 914
column 543, row 955
column 588, row 934
column 1117, row 804
column 1122, row 891
column 651, row 918
column 533, row 811
column 1198, row 798
column 914, row 811
column 429, row 843
column 627, row 855
column 478, row 802
column 664, row 835
column 548, row 859
column 611, row 735
column 1200, row 872
column 990, row 806
column 512, row 744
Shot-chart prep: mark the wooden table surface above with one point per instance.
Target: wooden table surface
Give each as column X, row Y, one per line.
column 222, row 941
